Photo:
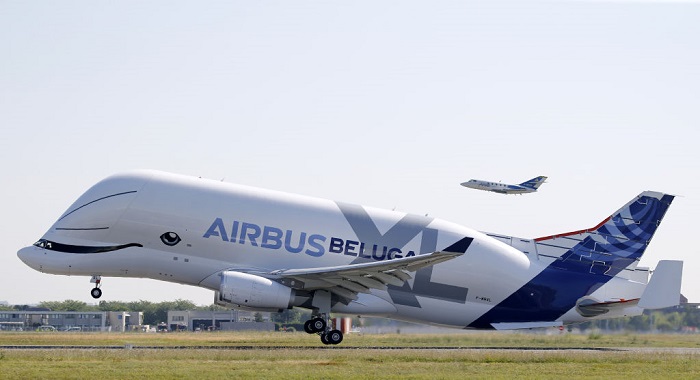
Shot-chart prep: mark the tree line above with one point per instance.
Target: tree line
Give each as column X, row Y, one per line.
column 673, row 319
column 666, row 320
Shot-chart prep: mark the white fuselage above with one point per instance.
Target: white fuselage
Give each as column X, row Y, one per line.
column 222, row 227
column 497, row 187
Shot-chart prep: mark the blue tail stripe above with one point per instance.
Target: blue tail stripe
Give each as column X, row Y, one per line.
column 583, row 268
column 532, row 183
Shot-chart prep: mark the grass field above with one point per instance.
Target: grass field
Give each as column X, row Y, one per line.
column 305, row 361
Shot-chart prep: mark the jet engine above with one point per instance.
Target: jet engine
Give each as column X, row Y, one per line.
column 249, row 291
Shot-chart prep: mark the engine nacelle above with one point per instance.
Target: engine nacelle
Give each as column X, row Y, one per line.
column 250, row 291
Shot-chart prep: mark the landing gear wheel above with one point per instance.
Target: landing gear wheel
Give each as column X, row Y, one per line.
column 324, row 339
column 308, row 327
column 318, row 324
column 96, row 293
column 334, row 336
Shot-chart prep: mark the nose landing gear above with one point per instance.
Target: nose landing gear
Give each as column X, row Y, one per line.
column 96, row 292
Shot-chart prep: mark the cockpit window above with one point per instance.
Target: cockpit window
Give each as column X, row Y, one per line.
column 43, row 243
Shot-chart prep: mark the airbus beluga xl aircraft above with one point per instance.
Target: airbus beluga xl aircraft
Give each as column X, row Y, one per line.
column 267, row 250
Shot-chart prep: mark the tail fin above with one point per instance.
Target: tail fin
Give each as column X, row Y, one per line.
column 583, row 262
column 534, row 183
column 617, row 242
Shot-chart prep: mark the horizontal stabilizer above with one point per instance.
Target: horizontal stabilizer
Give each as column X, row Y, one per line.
column 664, row 288
column 589, row 307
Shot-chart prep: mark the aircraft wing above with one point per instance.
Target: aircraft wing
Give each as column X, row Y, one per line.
column 347, row 281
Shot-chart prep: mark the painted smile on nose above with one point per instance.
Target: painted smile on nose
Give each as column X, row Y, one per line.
column 81, row 249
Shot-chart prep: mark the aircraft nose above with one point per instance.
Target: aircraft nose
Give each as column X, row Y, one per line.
column 28, row 255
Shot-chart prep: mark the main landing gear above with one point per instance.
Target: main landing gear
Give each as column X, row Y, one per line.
column 319, row 323
column 96, row 292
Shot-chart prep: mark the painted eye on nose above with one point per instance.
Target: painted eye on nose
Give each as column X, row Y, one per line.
column 170, row 238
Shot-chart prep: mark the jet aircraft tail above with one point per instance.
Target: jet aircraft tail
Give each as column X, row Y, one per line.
column 534, row 183
column 587, row 260
column 614, row 244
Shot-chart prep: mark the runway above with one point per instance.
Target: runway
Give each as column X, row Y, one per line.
column 136, row 347
column 672, row 350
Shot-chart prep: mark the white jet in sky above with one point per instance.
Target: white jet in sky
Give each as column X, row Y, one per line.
column 503, row 188
column 266, row 250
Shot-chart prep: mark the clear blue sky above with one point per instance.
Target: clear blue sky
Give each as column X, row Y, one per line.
column 388, row 104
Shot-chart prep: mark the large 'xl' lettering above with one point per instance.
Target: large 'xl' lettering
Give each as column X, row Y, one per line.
column 399, row 235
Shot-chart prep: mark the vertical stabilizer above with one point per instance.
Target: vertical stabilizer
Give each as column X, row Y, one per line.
column 616, row 243
column 585, row 261
column 534, row 183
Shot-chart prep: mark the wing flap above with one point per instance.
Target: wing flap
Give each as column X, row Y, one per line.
column 411, row 264
column 401, row 275
column 368, row 282
column 345, row 293
column 348, row 280
column 347, row 284
column 387, row 279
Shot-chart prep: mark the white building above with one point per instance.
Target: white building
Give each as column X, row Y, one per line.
column 73, row 320
column 192, row 320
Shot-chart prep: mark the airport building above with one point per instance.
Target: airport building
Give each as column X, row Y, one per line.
column 203, row 320
column 70, row 320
